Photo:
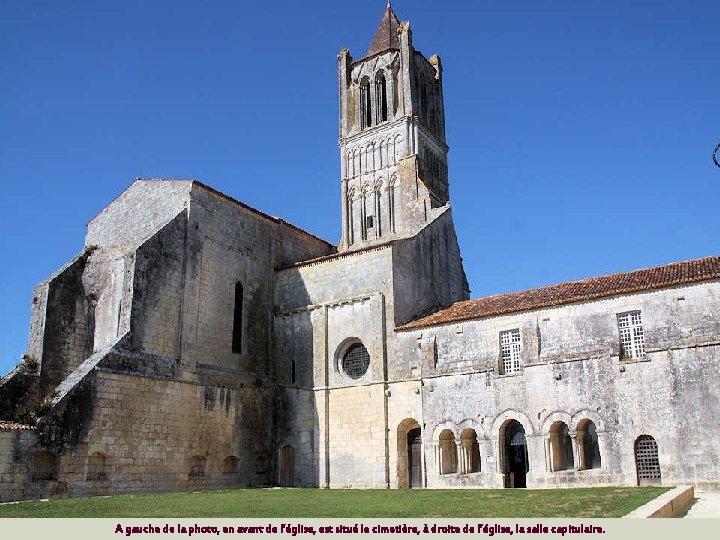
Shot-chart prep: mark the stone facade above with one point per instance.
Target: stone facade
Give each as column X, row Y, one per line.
column 198, row 343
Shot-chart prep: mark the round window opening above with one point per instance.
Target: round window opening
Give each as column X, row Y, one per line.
column 355, row 361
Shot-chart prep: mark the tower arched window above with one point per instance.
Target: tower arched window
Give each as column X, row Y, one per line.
column 381, row 97
column 365, row 103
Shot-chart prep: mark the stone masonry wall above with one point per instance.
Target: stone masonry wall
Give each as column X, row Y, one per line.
column 154, row 434
column 320, row 308
column 137, row 213
column 227, row 244
column 572, row 371
column 427, row 271
column 157, row 291
column 16, row 464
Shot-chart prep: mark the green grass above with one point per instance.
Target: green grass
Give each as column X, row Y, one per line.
column 319, row 503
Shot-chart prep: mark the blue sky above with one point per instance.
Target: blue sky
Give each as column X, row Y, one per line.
column 580, row 133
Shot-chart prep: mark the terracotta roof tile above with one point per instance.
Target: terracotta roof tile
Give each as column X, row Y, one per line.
column 575, row 291
column 386, row 35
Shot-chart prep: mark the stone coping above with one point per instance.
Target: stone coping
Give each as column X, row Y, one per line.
column 674, row 503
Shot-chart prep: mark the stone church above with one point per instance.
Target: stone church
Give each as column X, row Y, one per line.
column 198, row 343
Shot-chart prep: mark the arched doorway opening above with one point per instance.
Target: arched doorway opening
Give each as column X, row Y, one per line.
column 647, row 462
column 515, row 456
column 414, row 444
column 409, row 454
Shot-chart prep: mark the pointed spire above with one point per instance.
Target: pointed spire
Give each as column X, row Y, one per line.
column 386, row 36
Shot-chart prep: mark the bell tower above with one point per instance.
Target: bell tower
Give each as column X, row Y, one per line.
column 392, row 138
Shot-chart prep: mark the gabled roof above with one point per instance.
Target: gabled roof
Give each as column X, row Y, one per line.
column 645, row 279
column 386, row 35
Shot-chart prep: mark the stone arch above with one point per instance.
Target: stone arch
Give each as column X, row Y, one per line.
column 447, row 454
column 348, row 169
column 44, row 466
column 556, row 416
column 366, row 115
column 381, row 97
column 97, row 467
column 197, row 467
column 395, row 146
column 472, row 423
column 231, row 465
column 512, row 414
column 470, row 461
column 410, row 470
column 587, row 414
column 647, row 460
column 588, row 445
column 513, row 451
column 442, row 426
column 560, row 448
column 355, row 162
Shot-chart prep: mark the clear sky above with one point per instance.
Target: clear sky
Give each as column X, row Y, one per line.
column 580, row 133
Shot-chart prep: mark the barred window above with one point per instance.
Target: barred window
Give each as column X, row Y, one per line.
column 510, row 351
column 355, row 361
column 632, row 336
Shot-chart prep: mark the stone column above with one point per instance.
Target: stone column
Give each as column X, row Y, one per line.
column 462, row 467
column 576, row 451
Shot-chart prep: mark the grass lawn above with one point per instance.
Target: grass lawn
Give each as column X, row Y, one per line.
column 337, row 503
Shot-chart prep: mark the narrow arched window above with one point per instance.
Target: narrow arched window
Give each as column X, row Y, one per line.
column 381, row 97
column 365, row 104
column 589, row 446
column 237, row 319
column 470, row 452
column 561, row 449
column 448, row 452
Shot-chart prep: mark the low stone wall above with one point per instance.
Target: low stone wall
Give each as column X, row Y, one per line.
column 674, row 503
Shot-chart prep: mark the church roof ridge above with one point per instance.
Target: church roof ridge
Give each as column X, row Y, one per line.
column 338, row 255
column 594, row 288
column 386, row 35
column 260, row 213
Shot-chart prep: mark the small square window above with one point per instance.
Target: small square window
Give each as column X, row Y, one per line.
column 509, row 351
column 369, row 222
column 632, row 335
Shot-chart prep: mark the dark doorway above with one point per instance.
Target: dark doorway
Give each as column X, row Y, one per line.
column 516, row 458
column 287, row 466
column 414, row 445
